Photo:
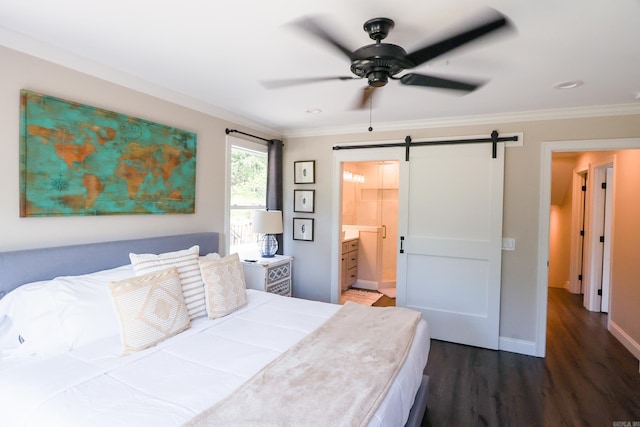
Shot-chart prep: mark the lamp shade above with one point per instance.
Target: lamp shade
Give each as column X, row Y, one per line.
column 267, row 222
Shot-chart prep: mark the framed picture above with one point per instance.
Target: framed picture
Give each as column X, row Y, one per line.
column 304, row 201
column 303, row 229
column 304, row 172
column 76, row 159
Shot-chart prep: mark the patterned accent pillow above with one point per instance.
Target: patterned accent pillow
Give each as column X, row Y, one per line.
column 224, row 285
column 186, row 262
column 149, row 308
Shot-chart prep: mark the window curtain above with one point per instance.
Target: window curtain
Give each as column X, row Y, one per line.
column 274, row 182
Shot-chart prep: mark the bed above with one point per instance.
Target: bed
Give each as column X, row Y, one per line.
column 180, row 378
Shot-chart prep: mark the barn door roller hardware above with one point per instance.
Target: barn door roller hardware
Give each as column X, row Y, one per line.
column 408, row 143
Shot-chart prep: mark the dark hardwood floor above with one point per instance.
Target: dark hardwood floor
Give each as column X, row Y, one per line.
column 586, row 379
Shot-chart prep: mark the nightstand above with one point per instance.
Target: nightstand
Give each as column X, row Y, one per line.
column 269, row 274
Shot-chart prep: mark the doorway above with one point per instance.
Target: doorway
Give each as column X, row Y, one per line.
column 548, row 149
column 449, row 248
column 580, row 225
column 369, row 218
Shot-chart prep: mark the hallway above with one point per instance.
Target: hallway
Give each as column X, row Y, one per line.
column 587, row 378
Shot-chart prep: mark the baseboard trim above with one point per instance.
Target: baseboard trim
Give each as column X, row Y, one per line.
column 517, row 346
column 369, row 285
column 625, row 339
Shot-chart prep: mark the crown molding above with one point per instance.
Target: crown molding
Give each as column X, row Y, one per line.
column 524, row 116
column 47, row 52
column 27, row 45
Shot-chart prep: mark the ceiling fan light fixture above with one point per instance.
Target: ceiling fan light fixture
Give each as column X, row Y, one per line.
column 377, row 78
column 570, row 84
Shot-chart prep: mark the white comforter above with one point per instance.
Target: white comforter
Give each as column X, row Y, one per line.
column 168, row 384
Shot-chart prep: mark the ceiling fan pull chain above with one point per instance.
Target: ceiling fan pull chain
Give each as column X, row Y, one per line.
column 370, row 108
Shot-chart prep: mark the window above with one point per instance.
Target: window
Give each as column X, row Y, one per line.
column 247, row 192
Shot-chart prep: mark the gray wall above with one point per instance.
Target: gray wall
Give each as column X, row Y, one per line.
column 521, row 206
column 20, row 71
column 312, row 266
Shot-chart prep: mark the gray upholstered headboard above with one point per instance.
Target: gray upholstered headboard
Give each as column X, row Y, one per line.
column 20, row 267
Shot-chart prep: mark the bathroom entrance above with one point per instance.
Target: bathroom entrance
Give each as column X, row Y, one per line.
column 370, row 227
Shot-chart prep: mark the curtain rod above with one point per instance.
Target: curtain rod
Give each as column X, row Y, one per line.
column 228, row 131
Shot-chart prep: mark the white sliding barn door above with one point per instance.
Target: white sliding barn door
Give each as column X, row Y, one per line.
column 451, row 220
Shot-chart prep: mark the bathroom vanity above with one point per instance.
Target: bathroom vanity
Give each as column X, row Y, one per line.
column 349, row 260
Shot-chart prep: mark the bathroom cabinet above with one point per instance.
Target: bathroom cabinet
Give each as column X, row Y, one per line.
column 349, row 263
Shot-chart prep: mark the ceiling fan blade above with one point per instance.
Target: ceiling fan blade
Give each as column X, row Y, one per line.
column 277, row 84
column 366, row 98
column 488, row 24
column 313, row 27
column 414, row 79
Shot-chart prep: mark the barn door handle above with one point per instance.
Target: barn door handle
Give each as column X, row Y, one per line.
column 401, row 244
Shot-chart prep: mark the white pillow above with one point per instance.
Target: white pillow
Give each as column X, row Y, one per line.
column 186, row 262
column 225, row 287
column 47, row 318
column 149, row 308
column 30, row 322
column 86, row 312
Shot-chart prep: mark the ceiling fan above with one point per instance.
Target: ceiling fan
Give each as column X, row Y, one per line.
column 380, row 62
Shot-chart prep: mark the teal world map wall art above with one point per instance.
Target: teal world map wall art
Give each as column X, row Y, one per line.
column 80, row 160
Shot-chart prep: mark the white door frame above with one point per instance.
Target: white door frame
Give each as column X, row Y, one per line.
column 545, row 207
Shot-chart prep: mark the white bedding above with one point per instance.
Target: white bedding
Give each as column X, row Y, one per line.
column 172, row 382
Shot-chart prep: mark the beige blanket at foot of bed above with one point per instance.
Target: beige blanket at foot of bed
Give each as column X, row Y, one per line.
column 336, row 376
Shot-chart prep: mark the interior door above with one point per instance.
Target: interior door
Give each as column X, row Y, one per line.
column 450, row 244
column 606, row 253
column 583, row 212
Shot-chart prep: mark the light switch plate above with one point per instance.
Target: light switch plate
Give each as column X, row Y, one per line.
column 508, row 244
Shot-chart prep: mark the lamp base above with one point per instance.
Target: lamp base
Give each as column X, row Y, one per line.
column 268, row 246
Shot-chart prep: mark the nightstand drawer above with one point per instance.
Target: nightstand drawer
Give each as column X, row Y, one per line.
column 281, row 288
column 278, row 272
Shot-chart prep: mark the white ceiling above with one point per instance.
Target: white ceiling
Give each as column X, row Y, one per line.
column 217, row 52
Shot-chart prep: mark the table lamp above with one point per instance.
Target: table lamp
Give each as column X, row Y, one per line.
column 267, row 223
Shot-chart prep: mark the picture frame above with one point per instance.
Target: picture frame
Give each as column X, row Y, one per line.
column 304, row 172
column 304, row 201
column 303, row 229
column 81, row 160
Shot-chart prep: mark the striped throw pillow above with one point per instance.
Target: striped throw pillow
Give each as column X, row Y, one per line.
column 225, row 288
column 186, row 262
column 150, row 308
